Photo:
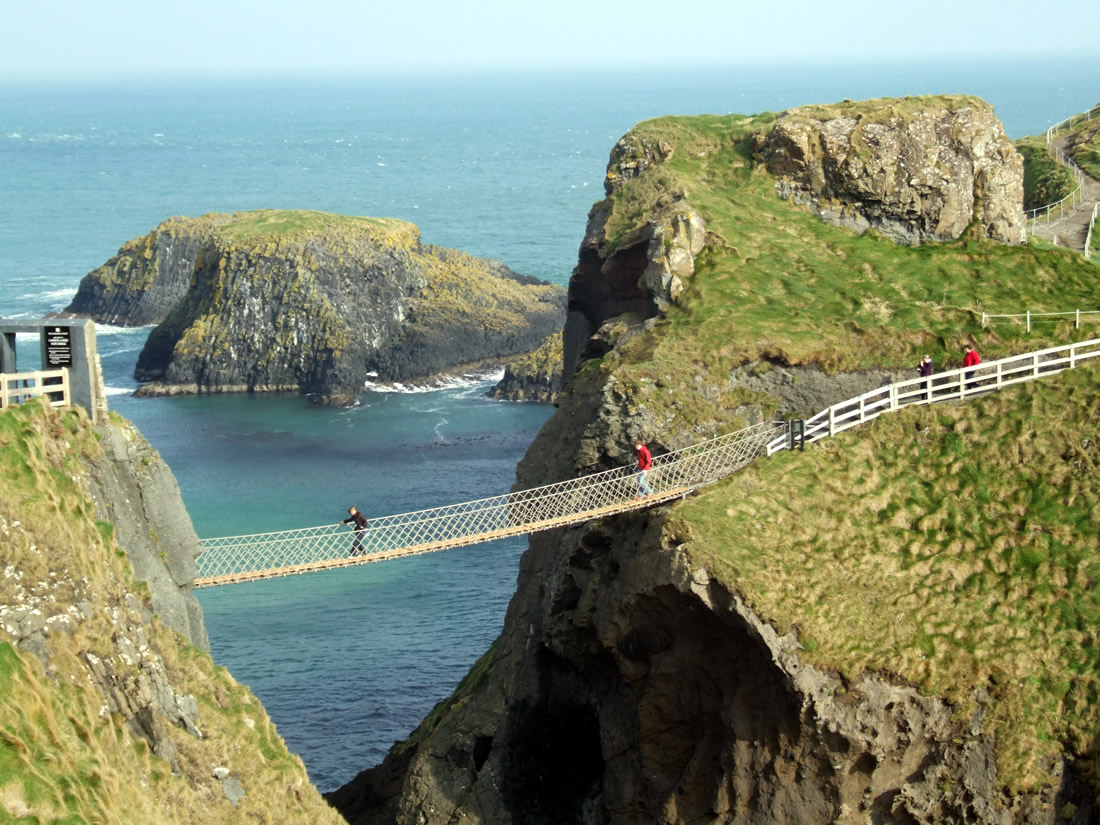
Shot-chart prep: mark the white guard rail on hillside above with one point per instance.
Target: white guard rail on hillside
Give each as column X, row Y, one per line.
column 1029, row 317
column 944, row 386
column 17, row 387
column 246, row 558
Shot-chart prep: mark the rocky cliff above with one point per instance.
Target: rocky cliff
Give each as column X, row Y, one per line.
column 533, row 377
column 840, row 635
column 113, row 711
column 313, row 303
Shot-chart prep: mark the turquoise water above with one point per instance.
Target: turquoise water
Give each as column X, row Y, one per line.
column 347, row 662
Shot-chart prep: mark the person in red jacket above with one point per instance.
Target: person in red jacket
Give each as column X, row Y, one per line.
column 360, row 529
column 645, row 461
column 970, row 359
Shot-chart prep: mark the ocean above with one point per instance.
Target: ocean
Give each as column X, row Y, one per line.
column 504, row 166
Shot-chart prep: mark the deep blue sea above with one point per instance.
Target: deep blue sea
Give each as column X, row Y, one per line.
column 504, row 166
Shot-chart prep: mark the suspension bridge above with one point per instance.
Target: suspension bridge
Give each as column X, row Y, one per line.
column 235, row 559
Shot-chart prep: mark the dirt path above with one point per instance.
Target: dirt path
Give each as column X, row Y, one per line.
column 1070, row 230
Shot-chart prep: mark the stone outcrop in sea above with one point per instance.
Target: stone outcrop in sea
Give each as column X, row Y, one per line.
column 533, row 377
column 312, row 302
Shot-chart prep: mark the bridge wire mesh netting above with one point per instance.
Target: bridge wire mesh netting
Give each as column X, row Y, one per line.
column 246, row 558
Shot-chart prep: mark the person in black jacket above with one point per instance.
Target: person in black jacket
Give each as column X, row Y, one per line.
column 360, row 528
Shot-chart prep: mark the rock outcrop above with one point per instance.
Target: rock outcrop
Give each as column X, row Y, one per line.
column 313, row 303
column 135, row 490
column 533, row 377
column 914, row 173
column 148, row 277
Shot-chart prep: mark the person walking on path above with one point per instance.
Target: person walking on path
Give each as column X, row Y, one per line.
column 360, row 529
column 924, row 369
column 645, row 461
column 970, row 359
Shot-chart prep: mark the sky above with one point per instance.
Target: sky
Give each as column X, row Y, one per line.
column 80, row 39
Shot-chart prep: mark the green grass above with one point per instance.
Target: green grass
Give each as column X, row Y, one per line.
column 283, row 223
column 956, row 548
column 1045, row 180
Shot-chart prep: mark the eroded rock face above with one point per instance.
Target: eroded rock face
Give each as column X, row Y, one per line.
column 914, row 176
column 136, row 491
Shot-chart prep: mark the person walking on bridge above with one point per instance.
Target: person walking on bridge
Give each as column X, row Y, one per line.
column 360, row 529
column 645, row 461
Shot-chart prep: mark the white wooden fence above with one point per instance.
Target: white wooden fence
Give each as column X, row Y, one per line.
column 17, row 387
column 1029, row 317
column 957, row 384
column 1088, row 235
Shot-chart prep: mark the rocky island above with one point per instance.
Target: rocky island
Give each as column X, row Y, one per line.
column 312, row 302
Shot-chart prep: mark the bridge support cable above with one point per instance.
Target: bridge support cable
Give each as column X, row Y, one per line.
column 246, row 558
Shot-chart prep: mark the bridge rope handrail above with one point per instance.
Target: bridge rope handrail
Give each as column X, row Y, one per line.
column 262, row 555
column 958, row 384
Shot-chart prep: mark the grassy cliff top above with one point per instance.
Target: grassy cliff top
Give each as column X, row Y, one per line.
column 63, row 756
column 263, row 224
column 775, row 281
column 954, row 547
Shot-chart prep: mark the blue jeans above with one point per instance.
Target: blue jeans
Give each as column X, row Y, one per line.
column 643, row 486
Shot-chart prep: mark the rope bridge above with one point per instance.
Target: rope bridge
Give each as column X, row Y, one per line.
column 235, row 559
column 674, row 475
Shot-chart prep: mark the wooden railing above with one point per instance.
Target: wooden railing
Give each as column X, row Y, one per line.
column 1029, row 317
column 1088, row 235
column 954, row 385
column 17, row 387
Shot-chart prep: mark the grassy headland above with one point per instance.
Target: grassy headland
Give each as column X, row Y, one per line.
column 64, row 755
column 953, row 548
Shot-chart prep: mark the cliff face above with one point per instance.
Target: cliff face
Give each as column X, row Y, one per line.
column 112, row 709
column 149, row 275
column 671, row 666
column 314, row 303
column 533, row 377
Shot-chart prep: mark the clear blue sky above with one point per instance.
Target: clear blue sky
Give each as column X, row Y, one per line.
column 87, row 38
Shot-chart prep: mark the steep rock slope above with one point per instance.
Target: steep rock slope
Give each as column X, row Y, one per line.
column 109, row 714
column 314, row 303
column 814, row 640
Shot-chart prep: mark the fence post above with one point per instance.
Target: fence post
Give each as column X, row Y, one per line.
column 893, row 397
column 1035, row 365
column 832, row 412
column 1029, row 320
column 1077, row 321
